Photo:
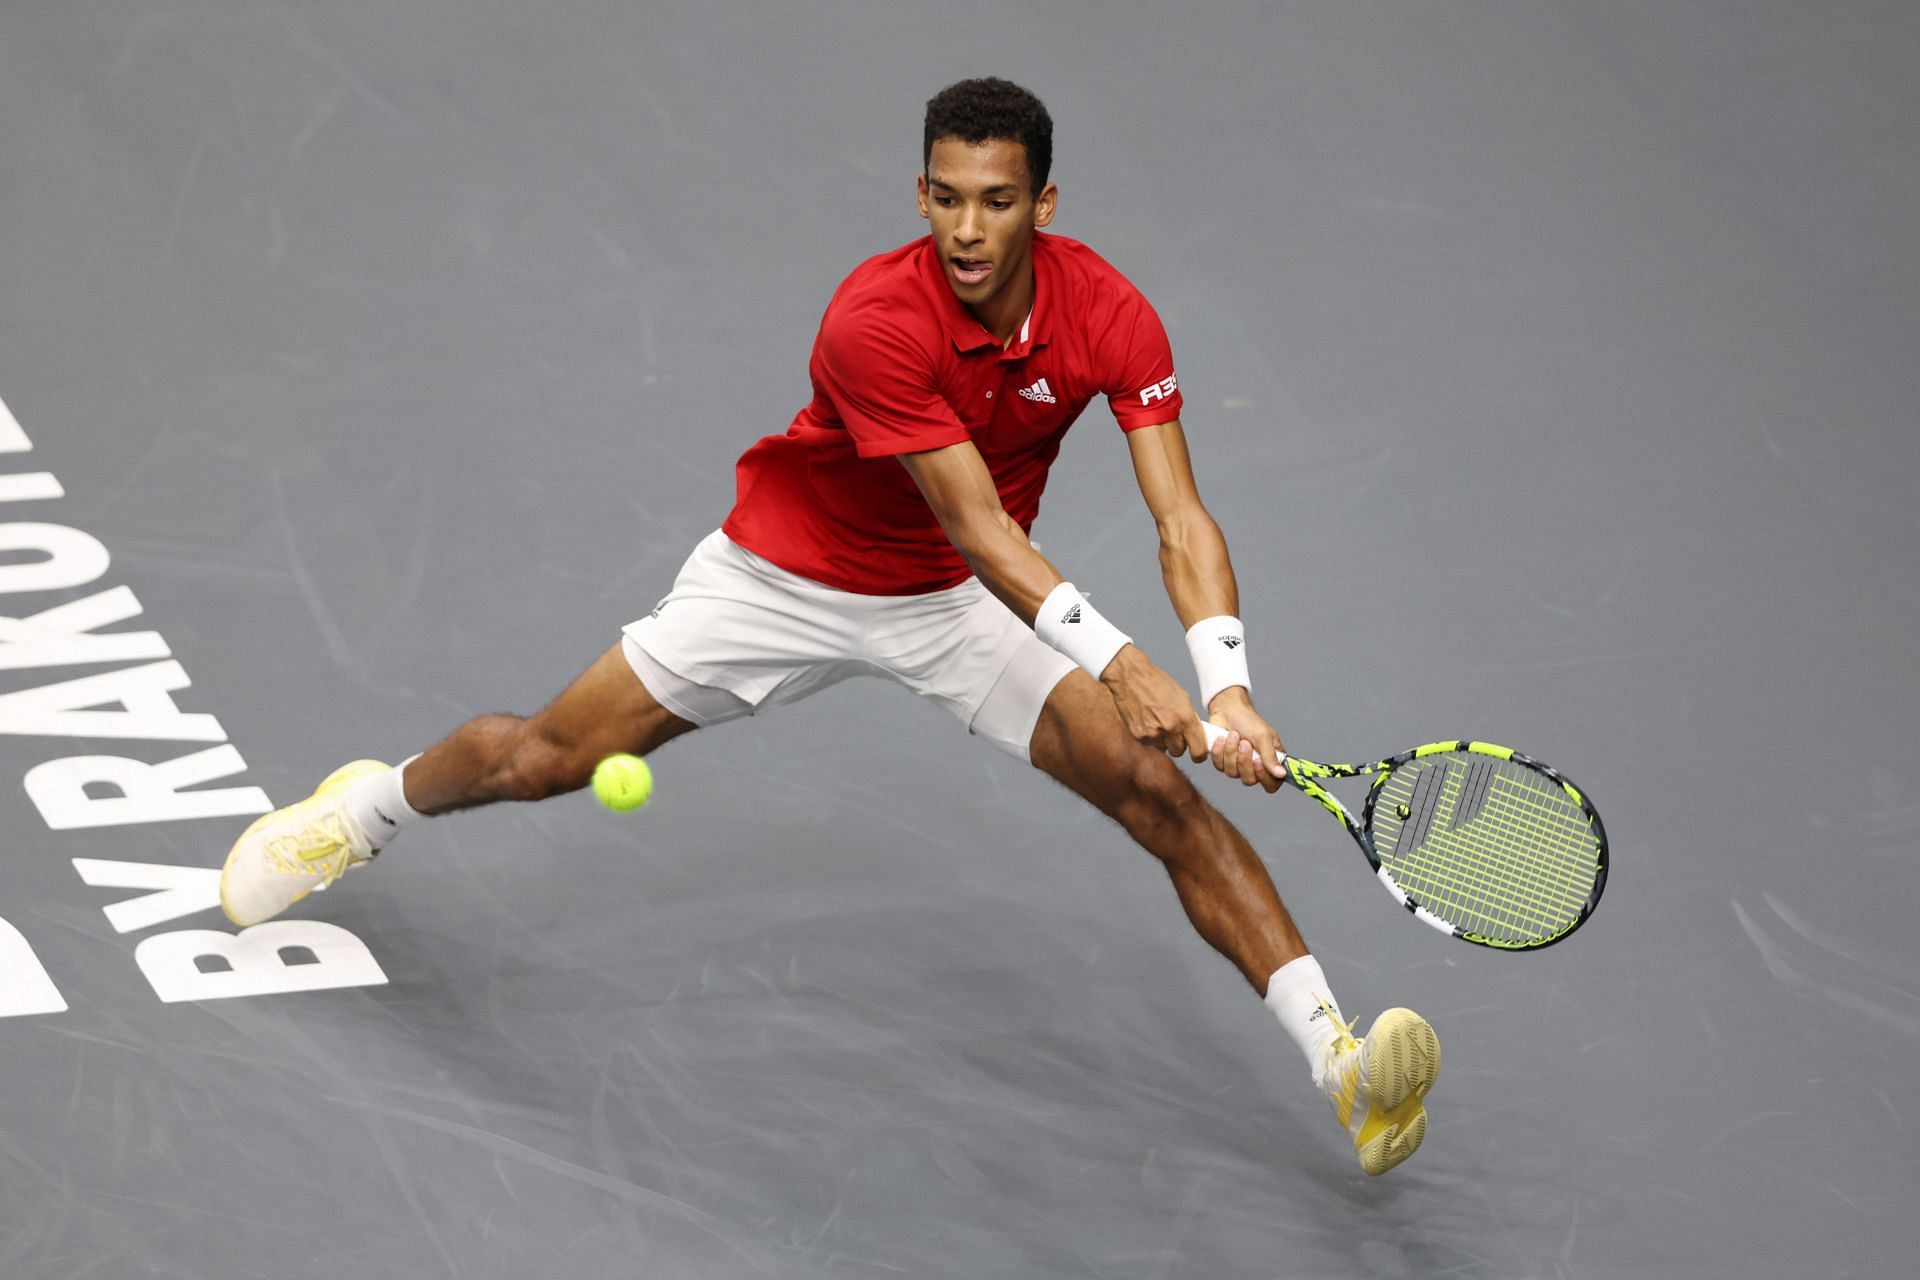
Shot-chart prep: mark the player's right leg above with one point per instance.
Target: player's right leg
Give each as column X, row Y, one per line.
column 291, row 852
column 608, row 710
column 736, row 634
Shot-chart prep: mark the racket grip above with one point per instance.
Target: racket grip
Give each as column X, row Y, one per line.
column 1216, row 735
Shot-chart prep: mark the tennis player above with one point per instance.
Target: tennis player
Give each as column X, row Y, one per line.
column 885, row 534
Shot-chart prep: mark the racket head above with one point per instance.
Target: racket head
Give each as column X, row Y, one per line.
column 1485, row 843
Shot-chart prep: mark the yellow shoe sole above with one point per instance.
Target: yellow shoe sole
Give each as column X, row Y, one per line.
column 1403, row 1060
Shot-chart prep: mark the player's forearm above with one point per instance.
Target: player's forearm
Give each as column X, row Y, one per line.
column 1200, row 582
column 997, row 550
column 1195, row 567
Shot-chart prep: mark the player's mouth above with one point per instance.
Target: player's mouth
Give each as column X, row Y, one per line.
column 971, row 270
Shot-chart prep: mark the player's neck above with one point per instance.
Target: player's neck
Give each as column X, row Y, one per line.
column 1003, row 313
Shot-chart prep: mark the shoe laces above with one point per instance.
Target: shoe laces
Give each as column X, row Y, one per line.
column 1343, row 1039
column 1342, row 1063
column 323, row 846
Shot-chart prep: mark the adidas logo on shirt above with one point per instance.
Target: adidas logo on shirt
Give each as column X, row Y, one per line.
column 1040, row 392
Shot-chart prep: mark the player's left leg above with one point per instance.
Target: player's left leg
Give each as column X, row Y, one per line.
column 1377, row 1085
column 1220, row 880
column 967, row 652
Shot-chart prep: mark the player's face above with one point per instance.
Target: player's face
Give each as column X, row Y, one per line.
column 980, row 200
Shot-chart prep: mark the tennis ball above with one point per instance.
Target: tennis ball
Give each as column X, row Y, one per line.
column 623, row 783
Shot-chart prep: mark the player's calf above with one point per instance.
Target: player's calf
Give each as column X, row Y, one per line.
column 361, row 807
column 294, row 851
column 498, row 758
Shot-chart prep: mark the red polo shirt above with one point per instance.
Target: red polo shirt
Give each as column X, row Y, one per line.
column 899, row 366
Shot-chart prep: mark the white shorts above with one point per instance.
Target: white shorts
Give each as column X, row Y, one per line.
column 738, row 634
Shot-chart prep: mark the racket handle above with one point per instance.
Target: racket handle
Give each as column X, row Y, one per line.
column 1216, row 735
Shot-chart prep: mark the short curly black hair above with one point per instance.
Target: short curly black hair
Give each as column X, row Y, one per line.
column 987, row 108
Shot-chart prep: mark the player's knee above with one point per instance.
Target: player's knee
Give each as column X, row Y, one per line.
column 1160, row 798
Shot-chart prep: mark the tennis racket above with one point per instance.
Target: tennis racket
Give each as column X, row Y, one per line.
column 1481, row 842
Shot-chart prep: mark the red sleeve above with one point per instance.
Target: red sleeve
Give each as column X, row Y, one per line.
column 880, row 376
column 1138, row 376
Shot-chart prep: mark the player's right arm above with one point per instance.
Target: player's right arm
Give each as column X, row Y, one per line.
column 958, row 487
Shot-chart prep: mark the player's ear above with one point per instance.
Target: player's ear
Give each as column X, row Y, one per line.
column 920, row 184
column 1043, row 207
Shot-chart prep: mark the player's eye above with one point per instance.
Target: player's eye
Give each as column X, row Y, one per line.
column 1000, row 206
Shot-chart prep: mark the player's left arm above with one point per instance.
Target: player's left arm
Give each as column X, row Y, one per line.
column 1200, row 583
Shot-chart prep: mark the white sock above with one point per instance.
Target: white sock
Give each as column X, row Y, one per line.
column 379, row 804
column 1296, row 993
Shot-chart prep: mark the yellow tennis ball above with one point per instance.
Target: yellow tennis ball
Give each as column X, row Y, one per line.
column 623, row 783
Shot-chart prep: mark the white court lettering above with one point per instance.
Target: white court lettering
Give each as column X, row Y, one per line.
column 32, row 486
column 133, row 702
column 26, row 988
column 261, row 961
column 176, row 891
column 12, row 438
column 72, row 558
column 62, row 636
column 70, row 709
column 148, row 792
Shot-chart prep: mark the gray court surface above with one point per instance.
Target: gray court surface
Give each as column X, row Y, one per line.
column 1551, row 368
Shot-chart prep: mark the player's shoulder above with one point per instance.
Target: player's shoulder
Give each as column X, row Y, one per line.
column 895, row 279
column 1082, row 272
column 887, row 291
column 1077, row 262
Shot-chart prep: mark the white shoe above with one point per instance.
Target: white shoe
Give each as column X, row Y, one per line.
column 1377, row 1085
column 291, row 852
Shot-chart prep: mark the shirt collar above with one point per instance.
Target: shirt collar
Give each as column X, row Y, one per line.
column 1037, row 328
column 968, row 334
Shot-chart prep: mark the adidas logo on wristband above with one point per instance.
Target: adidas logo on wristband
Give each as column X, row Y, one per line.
column 1222, row 668
column 1068, row 622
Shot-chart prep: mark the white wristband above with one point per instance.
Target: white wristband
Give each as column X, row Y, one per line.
column 1068, row 623
column 1219, row 649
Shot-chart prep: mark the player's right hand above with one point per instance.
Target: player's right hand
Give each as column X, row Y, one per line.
column 1251, row 752
column 1154, row 707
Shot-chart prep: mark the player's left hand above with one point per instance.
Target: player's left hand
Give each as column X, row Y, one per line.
column 1252, row 748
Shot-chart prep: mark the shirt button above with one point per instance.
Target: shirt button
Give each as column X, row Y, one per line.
column 989, row 395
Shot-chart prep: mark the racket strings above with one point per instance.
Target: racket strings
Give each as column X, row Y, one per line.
column 1520, row 868
column 1505, row 894
column 1528, row 884
column 1503, row 874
